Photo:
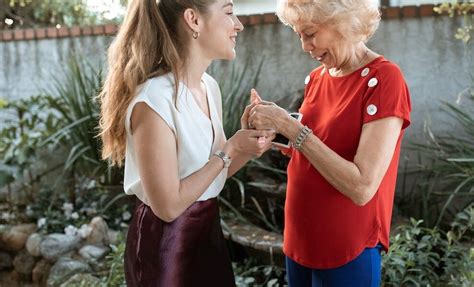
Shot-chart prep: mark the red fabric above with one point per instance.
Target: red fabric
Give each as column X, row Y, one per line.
column 323, row 228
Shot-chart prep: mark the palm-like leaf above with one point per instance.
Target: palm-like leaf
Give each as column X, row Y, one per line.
column 73, row 100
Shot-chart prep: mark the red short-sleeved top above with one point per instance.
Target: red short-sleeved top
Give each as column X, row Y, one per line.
column 323, row 227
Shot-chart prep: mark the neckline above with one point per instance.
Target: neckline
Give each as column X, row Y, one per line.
column 201, row 112
column 195, row 102
column 376, row 59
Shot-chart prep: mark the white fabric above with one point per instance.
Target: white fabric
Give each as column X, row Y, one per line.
column 192, row 129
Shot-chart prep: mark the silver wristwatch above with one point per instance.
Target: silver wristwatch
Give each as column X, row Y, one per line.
column 225, row 158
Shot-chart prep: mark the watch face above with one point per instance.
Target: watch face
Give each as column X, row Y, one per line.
column 225, row 158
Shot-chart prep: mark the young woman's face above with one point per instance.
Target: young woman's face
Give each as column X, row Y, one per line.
column 324, row 43
column 220, row 32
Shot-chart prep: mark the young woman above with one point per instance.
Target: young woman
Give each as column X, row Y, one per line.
column 162, row 114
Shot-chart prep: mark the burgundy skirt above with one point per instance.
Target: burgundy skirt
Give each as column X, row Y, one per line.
column 190, row 251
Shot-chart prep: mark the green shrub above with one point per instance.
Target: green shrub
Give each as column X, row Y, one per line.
column 251, row 273
column 420, row 256
column 115, row 265
column 56, row 132
column 26, row 122
column 31, row 13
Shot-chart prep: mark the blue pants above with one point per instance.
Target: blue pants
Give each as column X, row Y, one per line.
column 363, row 271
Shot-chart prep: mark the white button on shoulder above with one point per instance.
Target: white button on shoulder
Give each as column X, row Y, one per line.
column 373, row 82
column 365, row 72
column 307, row 79
column 371, row 109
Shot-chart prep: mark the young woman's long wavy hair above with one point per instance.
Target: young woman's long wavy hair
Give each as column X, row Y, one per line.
column 150, row 42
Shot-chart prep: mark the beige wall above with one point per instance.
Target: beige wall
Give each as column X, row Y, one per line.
column 433, row 62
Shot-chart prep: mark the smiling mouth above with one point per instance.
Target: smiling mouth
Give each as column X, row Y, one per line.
column 320, row 58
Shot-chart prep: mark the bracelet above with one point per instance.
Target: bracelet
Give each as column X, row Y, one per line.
column 302, row 137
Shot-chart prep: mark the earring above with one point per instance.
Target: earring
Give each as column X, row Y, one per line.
column 195, row 34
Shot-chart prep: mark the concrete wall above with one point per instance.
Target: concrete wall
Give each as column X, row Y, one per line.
column 26, row 67
column 432, row 60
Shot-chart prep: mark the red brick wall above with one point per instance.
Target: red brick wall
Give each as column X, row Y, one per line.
column 248, row 20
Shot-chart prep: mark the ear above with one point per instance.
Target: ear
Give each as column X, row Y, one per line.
column 193, row 19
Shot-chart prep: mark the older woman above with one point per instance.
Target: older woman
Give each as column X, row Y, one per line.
column 344, row 159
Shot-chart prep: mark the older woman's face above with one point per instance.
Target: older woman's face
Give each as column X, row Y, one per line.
column 324, row 44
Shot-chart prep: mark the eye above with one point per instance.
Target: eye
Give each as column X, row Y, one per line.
column 306, row 36
column 311, row 35
column 230, row 13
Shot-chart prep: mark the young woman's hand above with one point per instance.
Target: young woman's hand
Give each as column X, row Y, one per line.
column 255, row 99
column 253, row 142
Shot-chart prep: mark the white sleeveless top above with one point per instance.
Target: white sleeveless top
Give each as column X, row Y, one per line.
column 191, row 127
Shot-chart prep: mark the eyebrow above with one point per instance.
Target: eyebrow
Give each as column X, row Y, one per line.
column 305, row 29
column 228, row 4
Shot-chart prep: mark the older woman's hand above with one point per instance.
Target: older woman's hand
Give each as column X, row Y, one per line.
column 267, row 116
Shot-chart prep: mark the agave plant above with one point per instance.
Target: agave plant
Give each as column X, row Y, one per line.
column 235, row 87
column 450, row 172
column 73, row 98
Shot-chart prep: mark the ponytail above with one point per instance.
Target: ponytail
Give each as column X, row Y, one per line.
column 142, row 49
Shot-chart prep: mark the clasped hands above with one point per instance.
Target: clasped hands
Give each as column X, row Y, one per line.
column 260, row 122
column 263, row 115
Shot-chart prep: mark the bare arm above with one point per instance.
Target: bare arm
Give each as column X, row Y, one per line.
column 358, row 180
column 158, row 167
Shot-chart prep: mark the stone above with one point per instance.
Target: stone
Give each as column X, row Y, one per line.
column 82, row 279
column 254, row 237
column 99, row 232
column 93, row 253
column 15, row 238
column 40, row 272
column 5, row 260
column 64, row 269
column 24, row 263
column 7, row 279
column 33, row 244
column 55, row 245
column 114, row 237
column 15, row 276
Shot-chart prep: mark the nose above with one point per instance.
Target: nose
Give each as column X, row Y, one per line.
column 238, row 25
column 307, row 44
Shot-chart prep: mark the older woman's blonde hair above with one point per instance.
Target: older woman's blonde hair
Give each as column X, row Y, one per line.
column 356, row 20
